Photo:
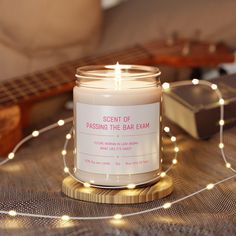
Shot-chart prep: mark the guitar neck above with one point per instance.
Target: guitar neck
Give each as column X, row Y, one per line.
column 60, row 79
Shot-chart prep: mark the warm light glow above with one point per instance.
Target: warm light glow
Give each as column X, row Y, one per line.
column 65, row 217
column 87, row 185
column 11, row 155
column 214, row 86
column 126, row 67
column 176, row 149
column 61, row 122
column 117, row 216
column 167, row 129
column 35, row 133
column 131, row 186
column 167, row 205
column 12, row 213
column 174, row 161
column 117, row 71
column 173, row 138
column 221, row 122
column 165, row 86
column 222, row 101
column 195, row 81
column 118, row 223
column 210, row 186
column 63, row 224
column 63, row 152
column 228, row 165
column 221, row 145
column 163, row 174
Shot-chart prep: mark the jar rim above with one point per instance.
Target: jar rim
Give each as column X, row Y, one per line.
column 132, row 72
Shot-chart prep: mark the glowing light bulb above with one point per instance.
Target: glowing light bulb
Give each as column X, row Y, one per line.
column 214, row 86
column 165, row 86
column 228, row 165
column 173, row 138
column 167, row 205
column 210, row 186
column 61, row 122
column 11, row 155
column 131, row 186
column 68, row 136
column 174, row 161
column 87, row 185
column 176, row 149
column 221, row 145
column 35, row 133
column 163, row 174
column 63, row 152
column 195, row 81
column 117, row 216
column 66, row 169
column 221, row 122
column 167, row 129
column 222, row 101
column 65, row 217
column 12, row 213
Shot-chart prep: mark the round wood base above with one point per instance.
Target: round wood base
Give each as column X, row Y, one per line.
column 76, row 190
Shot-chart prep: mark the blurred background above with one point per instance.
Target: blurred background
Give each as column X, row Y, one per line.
column 35, row 35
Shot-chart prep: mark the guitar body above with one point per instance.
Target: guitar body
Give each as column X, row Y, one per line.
column 10, row 128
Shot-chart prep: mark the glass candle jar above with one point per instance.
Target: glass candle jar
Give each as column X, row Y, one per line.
column 117, row 120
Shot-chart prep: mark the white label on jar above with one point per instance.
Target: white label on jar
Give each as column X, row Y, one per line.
column 118, row 139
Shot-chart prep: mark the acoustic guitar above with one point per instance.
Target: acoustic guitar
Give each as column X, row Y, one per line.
column 18, row 95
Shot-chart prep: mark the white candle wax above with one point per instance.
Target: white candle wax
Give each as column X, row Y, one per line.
column 117, row 127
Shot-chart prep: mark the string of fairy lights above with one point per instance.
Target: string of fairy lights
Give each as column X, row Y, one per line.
column 118, row 216
column 129, row 186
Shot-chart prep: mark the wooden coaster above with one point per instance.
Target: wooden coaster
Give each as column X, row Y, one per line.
column 76, row 190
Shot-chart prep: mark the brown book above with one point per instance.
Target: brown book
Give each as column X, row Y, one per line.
column 196, row 109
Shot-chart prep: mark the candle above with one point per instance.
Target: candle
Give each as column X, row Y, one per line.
column 117, row 124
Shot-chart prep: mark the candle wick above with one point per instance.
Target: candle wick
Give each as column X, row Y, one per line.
column 117, row 76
